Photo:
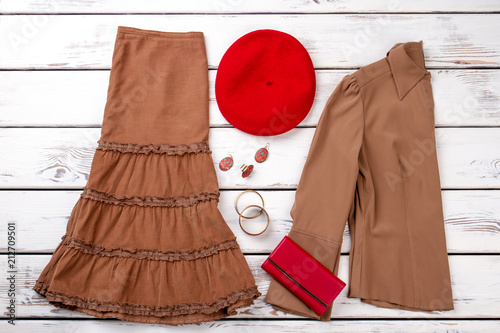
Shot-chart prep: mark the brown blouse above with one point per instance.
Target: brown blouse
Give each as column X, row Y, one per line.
column 372, row 162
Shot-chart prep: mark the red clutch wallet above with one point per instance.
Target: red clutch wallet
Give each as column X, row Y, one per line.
column 303, row 275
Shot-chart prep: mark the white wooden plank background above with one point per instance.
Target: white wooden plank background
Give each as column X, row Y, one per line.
column 475, row 292
column 264, row 326
column 240, row 6
column 54, row 71
column 471, row 219
column 77, row 98
column 61, row 157
column 333, row 41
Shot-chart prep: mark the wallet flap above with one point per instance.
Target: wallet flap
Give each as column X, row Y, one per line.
column 305, row 271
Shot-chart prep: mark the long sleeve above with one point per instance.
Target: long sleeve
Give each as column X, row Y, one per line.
column 325, row 193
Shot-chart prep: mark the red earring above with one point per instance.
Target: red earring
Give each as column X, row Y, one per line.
column 226, row 163
column 261, row 154
column 246, row 170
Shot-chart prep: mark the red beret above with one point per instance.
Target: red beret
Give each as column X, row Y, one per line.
column 265, row 83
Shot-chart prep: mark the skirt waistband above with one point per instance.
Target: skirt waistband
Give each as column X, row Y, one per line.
column 156, row 33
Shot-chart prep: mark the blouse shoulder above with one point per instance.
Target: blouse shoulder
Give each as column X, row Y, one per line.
column 370, row 72
column 350, row 84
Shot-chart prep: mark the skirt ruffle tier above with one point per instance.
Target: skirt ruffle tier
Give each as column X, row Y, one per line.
column 159, row 258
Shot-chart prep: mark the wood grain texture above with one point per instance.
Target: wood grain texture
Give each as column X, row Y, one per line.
column 77, row 98
column 333, row 41
column 241, row 6
column 474, row 283
column 261, row 326
column 61, row 157
column 472, row 219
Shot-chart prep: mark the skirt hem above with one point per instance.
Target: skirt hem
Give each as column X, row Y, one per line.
column 171, row 314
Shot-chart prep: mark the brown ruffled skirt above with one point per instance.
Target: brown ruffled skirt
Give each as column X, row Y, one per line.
column 146, row 242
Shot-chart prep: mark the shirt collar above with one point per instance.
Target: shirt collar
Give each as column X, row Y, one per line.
column 407, row 66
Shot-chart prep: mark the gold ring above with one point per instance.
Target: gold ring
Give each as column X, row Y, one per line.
column 261, row 210
column 236, row 204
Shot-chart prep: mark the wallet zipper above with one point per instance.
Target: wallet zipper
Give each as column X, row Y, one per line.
column 298, row 284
